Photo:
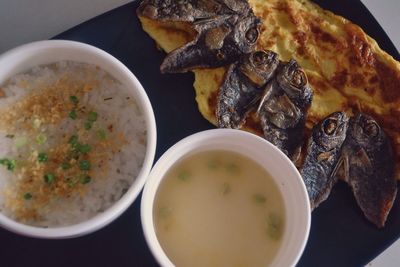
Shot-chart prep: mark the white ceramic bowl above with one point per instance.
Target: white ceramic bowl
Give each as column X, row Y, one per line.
column 264, row 153
column 27, row 56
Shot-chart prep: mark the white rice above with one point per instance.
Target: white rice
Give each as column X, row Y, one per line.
column 122, row 111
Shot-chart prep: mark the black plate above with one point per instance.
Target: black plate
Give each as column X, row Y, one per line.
column 340, row 236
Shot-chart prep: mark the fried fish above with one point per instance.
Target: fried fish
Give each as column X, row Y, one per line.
column 191, row 10
column 368, row 163
column 323, row 154
column 242, row 87
column 284, row 107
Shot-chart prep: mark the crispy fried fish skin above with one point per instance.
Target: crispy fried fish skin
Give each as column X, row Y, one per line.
column 220, row 41
column 283, row 108
column 323, row 153
column 368, row 162
column 241, row 88
column 190, row 10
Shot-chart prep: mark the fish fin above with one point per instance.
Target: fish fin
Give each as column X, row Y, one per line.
column 343, row 161
column 266, row 96
column 362, row 159
column 295, row 157
column 226, row 110
column 207, row 23
column 237, row 96
column 318, row 186
column 325, row 156
column 206, row 51
column 182, row 59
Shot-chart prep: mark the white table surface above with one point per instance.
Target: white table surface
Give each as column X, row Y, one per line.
column 23, row 21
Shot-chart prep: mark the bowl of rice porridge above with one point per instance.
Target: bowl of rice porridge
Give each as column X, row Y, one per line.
column 77, row 138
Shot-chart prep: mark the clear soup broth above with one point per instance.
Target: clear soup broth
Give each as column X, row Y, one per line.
column 219, row 208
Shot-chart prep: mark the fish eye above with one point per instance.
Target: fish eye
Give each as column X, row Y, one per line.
column 371, row 128
column 220, row 55
column 260, row 57
column 329, row 126
column 215, row 7
column 252, row 35
column 263, row 58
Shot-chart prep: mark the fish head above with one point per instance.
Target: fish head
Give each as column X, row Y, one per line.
column 236, row 6
column 293, row 80
column 184, row 10
column 148, row 9
column 366, row 131
column 259, row 66
column 190, row 10
column 221, row 41
column 164, row 10
column 331, row 131
column 246, row 31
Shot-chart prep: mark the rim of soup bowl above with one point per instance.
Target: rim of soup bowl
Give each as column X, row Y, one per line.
column 27, row 56
column 280, row 168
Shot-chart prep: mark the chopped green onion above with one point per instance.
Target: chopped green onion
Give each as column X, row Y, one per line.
column 48, row 178
column 10, row 164
column 232, row 168
column 10, row 136
column 85, row 148
column 92, row 116
column 73, row 99
column 27, row 196
column 84, row 165
column 101, row 134
column 73, row 140
column 258, row 198
column 41, row 139
column 65, row 165
column 85, row 179
column 213, row 164
column 184, row 175
column 72, row 114
column 70, row 182
column 88, row 125
column 165, row 212
column 275, row 226
column 42, row 157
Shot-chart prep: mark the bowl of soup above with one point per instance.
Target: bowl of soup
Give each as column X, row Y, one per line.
column 225, row 198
